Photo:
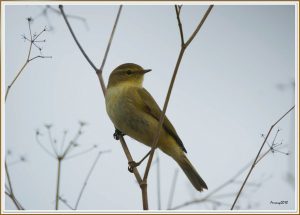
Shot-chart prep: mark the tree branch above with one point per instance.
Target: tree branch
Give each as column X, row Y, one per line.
column 99, row 74
column 257, row 156
column 179, row 24
column 183, row 48
column 172, row 190
column 86, row 179
column 11, row 193
column 199, row 26
column 31, row 41
column 75, row 38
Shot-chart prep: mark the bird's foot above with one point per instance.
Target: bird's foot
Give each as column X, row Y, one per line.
column 118, row 134
column 132, row 165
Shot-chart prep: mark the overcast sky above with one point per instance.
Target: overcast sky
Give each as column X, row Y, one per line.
column 235, row 80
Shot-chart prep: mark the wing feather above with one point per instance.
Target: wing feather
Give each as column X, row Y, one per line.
column 154, row 110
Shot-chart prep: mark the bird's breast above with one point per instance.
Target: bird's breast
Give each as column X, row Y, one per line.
column 123, row 106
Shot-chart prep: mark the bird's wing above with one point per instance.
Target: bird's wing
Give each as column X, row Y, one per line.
column 153, row 109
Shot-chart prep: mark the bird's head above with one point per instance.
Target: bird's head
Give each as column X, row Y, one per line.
column 127, row 74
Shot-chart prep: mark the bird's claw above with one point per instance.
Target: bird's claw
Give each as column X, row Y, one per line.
column 117, row 134
column 132, row 165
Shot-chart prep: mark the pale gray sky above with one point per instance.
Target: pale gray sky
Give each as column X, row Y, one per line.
column 225, row 96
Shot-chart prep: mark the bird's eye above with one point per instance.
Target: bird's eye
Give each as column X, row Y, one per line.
column 129, row 72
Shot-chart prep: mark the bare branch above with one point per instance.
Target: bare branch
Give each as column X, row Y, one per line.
column 199, row 26
column 38, row 56
column 69, row 15
column 13, row 81
column 220, row 187
column 31, row 42
column 34, row 39
column 66, row 203
column 72, row 142
column 75, row 38
column 59, row 160
column 42, row 146
column 183, row 48
column 99, row 72
column 123, row 143
column 83, row 152
column 11, row 193
column 158, row 181
column 110, row 40
column 63, row 141
column 51, row 141
column 257, row 156
column 87, row 178
column 172, row 190
column 177, row 9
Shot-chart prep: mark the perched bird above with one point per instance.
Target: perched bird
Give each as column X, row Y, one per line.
column 135, row 113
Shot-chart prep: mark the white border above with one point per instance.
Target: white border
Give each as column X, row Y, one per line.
column 4, row 3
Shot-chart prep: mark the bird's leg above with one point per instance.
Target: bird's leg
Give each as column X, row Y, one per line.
column 117, row 134
column 133, row 164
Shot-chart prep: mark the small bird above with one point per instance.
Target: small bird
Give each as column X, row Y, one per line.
column 135, row 113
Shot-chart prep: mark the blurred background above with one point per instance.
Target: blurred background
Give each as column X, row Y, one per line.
column 235, row 80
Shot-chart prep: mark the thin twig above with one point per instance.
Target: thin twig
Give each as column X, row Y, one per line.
column 179, row 24
column 136, row 174
column 142, row 183
column 66, row 203
column 199, row 26
column 257, row 156
column 11, row 193
column 154, row 143
column 59, row 160
column 39, row 56
column 172, row 190
column 75, row 38
column 13, row 81
column 110, row 39
column 43, row 147
column 63, row 141
column 123, row 143
column 7, row 188
column 72, row 142
column 69, row 16
column 158, row 181
column 220, row 187
column 12, row 163
column 99, row 72
column 81, row 153
column 52, row 142
column 183, row 48
column 31, row 42
column 87, row 178
column 14, row 200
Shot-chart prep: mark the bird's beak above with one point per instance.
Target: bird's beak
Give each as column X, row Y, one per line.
column 146, row 70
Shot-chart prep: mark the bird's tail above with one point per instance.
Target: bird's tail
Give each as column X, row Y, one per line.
column 191, row 173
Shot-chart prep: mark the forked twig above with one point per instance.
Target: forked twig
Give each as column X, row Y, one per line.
column 177, row 10
column 142, row 182
column 183, row 48
column 10, row 192
column 62, row 154
column 32, row 41
column 223, row 185
column 257, row 156
column 99, row 74
column 75, row 38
